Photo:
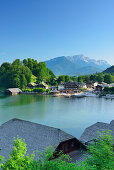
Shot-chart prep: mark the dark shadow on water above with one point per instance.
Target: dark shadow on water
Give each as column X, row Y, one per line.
column 22, row 100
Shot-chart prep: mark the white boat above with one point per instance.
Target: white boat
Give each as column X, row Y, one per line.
column 78, row 95
column 109, row 96
column 89, row 94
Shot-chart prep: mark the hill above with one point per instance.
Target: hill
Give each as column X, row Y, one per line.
column 109, row 70
column 76, row 65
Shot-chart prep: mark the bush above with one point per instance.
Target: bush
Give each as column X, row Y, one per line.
column 102, row 155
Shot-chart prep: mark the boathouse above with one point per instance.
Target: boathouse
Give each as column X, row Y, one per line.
column 91, row 132
column 37, row 137
column 13, row 91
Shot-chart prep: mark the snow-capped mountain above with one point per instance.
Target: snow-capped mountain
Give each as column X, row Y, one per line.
column 76, row 65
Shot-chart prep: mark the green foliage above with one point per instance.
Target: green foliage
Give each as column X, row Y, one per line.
column 19, row 74
column 14, row 75
column 74, row 78
column 100, row 77
column 61, row 79
column 67, row 78
column 109, row 90
column 39, row 90
column 33, row 78
column 17, row 159
column 48, row 90
column 39, row 70
column 108, row 78
column 80, row 79
column 102, row 155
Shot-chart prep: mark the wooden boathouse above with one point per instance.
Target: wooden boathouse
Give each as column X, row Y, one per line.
column 13, row 91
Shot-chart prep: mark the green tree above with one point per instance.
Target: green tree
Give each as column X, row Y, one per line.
column 23, row 81
column 100, row 77
column 74, row 78
column 80, row 79
column 16, row 82
column 25, row 62
column 61, row 78
column 17, row 159
column 101, row 155
column 93, row 77
column 17, row 62
column 108, row 78
column 67, row 78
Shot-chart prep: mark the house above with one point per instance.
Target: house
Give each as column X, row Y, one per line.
column 111, row 85
column 91, row 84
column 31, row 85
column 68, row 87
column 53, row 88
column 42, row 85
column 61, row 86
column 81, row 85
column 100, row 87
column 13, row 91
column 90, row 133
column 37, row 137
column 71, row 85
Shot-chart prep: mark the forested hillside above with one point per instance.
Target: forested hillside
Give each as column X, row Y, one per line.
column 109, row 70
column 19, row 74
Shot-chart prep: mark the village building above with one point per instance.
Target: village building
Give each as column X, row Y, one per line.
column 68, row 87
column 61, row 86
column 100, row 87
column 31, row 85
column 53, row 88
column 13, row 91
column 81, row 85
column 42, row 85
column 37, row 137
column 111, row 85
column 91, row 132
column 91, row 84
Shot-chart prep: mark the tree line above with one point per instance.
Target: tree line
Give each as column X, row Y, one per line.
column 19, row 74
column 98, row 77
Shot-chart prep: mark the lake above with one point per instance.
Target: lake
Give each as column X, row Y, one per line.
column 72, row 115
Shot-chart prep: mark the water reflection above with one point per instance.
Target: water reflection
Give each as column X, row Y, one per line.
column 72, row 115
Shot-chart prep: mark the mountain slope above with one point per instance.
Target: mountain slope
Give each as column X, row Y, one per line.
column 76, row 65
column 109, row 70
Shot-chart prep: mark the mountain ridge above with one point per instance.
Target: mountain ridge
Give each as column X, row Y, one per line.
column 109, row 70
column 76, row 65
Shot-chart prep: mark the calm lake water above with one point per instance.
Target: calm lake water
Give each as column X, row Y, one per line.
column 71, row 115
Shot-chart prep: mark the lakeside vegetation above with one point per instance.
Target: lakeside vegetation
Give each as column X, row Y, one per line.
column 100, row 156
column 109, row 90
column 20, row 73
column 39, row 90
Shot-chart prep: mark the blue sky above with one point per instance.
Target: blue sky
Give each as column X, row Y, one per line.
column 45, row 29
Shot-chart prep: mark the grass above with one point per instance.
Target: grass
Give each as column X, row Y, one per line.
column 33, row 78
